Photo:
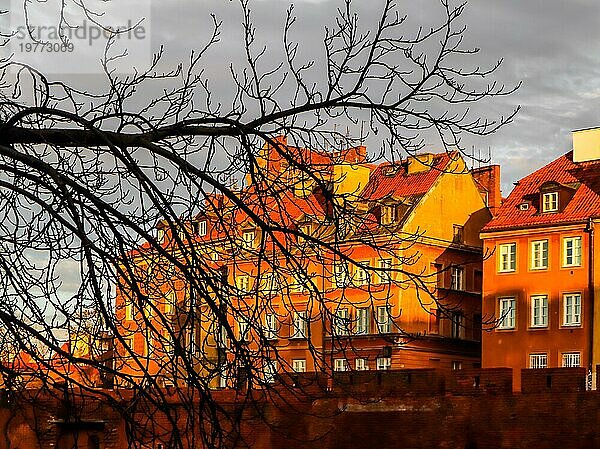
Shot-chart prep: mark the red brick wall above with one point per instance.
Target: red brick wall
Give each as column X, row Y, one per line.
column 403, row 409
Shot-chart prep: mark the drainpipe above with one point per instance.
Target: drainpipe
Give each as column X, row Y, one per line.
column 590, row 230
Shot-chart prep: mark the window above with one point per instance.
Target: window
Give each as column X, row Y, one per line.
column 457, row 320
column 506, row 313
column 340, row 365
column 167, row 343
column 170, row 300
column 550, row 202
column 572, row 309
column 215, row 256
column 538, row 361
column 271, row 326
column 507, row 257
column 437, row 269
column 270, row 371
column 384, row 320
column 362, row 321
column 128, row 309
column 384, row 363
column 243, row 283
column 243, row 326
column 434, row 321
column 361, row 275
column 456, row 365
column 539, row 254
column 384, row 273
column 458, row 234
column 571, row 359
column 361, row 365
column 458, row 278
column 148, row 308
column 201, row 228
column 299, row 325
column 340, row 274
column 388, row 215
column 223, row 377
column 248, row 239
column 572, row 252
column 341, row 322
column 299, row 365
column 270, row 282
column 539, row 311
column 297, row 283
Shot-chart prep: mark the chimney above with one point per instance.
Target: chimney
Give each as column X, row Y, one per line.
column 586, row 144
column 488, row 182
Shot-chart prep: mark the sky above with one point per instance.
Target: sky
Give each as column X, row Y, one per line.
column 551, row 46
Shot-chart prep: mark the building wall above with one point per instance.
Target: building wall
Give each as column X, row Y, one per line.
column 512, row 348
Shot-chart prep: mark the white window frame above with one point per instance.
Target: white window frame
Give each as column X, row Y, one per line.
column 361, row 365
column 571, row 359
column 384, row 363
column 550, row 202
column 458, row 278
column 384, row 277
column 299, row 365
column 270, row 371
column 361, row 275
column 457, row 322
column 170, row 301
column 340, row 365
column 202, row 228
column 270, row 326
column 243, row 283
column 243, row 328
column 299, row 325
column 507, row 260
column 341, row 276
column 539, row 254
column 507, row 312
column 384, row 319
column 572, row 309
column 538, row 360
column 572, row 252
column 363, row 322
column 248, row 239
column 128, row 309
column 341, row 322
column 539, row 311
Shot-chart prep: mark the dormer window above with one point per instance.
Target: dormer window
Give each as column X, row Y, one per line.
column 248, row 239
column 550, row 202
column 200, row 228
column 388, row 215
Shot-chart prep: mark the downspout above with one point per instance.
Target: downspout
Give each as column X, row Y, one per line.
column 590, row 230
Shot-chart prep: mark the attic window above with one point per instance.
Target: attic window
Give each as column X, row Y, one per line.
column 388, row 215
column 200, row 227
column 390, row 170
column 524, row 206
column 550, row 202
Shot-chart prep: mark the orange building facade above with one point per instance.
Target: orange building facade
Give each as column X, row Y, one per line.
column 540, row 276
column 394, row 283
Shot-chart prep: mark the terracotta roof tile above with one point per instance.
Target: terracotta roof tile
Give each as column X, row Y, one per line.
column 584, row 177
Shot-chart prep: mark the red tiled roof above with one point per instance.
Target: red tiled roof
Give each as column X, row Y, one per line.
column 401, row 184
column 584, row 177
